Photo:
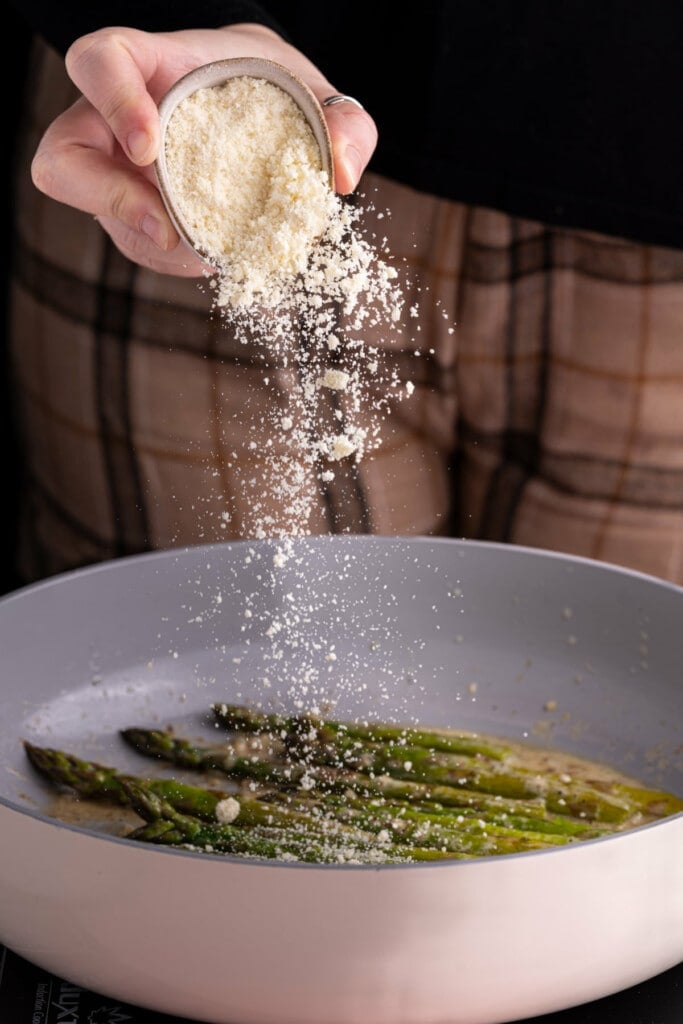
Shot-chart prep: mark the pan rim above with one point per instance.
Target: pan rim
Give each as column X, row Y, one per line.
column 164, row 554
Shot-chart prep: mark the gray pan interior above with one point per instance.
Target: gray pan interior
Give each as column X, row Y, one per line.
column 504, row 639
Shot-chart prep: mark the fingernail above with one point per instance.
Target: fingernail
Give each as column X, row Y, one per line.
column 155, row 230
column 138, row 143
column 353, row 164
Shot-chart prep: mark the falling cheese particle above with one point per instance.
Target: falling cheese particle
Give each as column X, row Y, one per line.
column 337, row 380
column 341, row 447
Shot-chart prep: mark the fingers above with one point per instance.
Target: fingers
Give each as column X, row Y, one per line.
column 75, row 164
column 180, row 262
column 111, row 68
column 354, row 137
column 353, row 134
column 78, row 161
column 352, row 131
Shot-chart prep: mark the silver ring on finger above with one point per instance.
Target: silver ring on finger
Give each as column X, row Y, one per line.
column 331, row 101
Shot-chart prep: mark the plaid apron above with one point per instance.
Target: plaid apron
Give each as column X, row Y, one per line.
column 548, row 403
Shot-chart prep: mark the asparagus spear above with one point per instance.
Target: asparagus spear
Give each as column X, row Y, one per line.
column 435, row 767
column 182, row 814
column 410, row 820
column 243, row 719
column 651, row 802
column 98, row 781
column 187, row 754
column 406, row 824
column 180, row 752
column 428, row 756
column 328, row 846
column 402, row 816
column 440, row 831
column 369, row 771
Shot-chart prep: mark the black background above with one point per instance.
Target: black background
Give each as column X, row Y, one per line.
column 15, row 53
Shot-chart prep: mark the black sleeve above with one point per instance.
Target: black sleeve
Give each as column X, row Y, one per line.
column 61, row 23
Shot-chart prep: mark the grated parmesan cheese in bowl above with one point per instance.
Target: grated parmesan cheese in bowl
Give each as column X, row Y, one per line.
column 247, row 180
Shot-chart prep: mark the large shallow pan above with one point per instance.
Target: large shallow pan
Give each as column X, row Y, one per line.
column 414, row 623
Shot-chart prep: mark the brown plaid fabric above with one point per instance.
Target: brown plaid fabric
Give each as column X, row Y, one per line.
column 551, row 416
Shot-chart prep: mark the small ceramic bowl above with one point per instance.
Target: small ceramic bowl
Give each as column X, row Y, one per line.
column 208, row 75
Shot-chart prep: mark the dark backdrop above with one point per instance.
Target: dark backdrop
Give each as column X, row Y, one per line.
column 17, row 40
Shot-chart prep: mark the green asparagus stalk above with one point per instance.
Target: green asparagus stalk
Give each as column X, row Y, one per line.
column 166, row 747
column 372, row 766
column 100, row 782
column 189, row 812
column 560, row 797
column 651, row 802
column 186, row 754
column 403, row 816
column 406, row 824
column 410, row 754
column 243, row 719
column 96, row 781
column 328, row 846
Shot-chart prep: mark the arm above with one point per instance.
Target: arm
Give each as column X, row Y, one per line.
column 98, row 155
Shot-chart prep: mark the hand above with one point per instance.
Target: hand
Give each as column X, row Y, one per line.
column 97, row 156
